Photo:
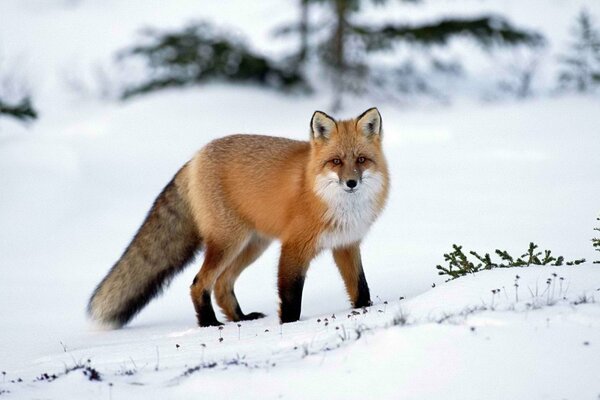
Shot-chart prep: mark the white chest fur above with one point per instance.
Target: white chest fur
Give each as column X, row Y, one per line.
column 349, row 214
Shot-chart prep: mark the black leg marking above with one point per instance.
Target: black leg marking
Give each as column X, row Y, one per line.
column 291, row 300
column 240, row 316
column 205, row 312
column 364, row 296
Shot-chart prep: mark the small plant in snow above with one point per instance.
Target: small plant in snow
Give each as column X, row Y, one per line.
column 125, row 371
column 459, row 317
column 46, row 377
column 203, row 347
column 459, row 263
column 596, row 242
column 90, row 372
column 157, row 359
column 360, row 329
column 494, row 293
column 584, row 299
column 400, row 319
column 199, row 367
column 305, row 350
column 344, row 336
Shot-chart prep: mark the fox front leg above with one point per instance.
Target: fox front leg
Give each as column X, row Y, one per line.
column 293, row 265
column 349, row 263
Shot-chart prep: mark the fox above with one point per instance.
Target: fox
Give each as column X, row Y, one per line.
column 235, row 197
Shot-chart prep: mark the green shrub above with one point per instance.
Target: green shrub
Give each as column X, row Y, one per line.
column 459, row 263
column 596, row 242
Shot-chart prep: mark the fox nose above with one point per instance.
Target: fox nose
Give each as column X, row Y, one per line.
column 351, row 183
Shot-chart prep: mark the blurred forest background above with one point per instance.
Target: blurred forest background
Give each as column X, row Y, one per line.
column 332, row 48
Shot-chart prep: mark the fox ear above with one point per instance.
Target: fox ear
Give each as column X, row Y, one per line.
column 321, row 125
column 369, row 122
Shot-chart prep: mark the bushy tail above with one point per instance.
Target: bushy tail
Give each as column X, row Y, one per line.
column 166, row 242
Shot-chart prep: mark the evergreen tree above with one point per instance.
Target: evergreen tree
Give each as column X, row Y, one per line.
column 581, row 65
column 199, row 53
column 15, row 94
column 303, row 29
column 22, row 110
column 346, row 47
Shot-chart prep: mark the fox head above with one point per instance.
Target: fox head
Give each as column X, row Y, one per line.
column 348, row 163
column 347, row 152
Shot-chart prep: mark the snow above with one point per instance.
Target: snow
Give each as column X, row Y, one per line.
column 77, row 184
column 541, row 346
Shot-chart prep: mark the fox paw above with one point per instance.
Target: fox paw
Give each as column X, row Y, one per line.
column 252, row 315
column 209, row 322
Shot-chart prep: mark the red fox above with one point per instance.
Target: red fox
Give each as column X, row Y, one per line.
column 238, row 194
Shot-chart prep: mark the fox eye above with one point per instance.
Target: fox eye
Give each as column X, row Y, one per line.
column 336, row 161
column 361, row 160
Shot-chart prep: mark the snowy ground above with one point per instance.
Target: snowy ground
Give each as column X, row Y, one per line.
column 457, row 341
column 77, row 184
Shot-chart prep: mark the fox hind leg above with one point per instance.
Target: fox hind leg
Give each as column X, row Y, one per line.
column 224, row 291
column 216, row 258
